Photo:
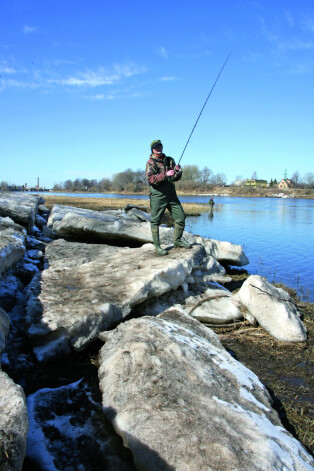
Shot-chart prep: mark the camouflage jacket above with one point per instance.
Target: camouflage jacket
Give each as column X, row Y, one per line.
column 156, row 169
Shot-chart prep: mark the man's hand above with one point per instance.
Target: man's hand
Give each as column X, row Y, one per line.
column 170, row 173
column 177, row 168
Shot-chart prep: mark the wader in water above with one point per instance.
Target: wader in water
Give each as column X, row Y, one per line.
column 163, row 196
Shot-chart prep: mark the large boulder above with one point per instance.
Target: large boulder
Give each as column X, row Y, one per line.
column 273, row 308
column 12, row 243
column 88, row 288
column 181, row 402
column 13, row 424
column 21, row 207
column 206, row 302
column 68, row 431
column 132, row 228
column 224, row 252
column 117, row 227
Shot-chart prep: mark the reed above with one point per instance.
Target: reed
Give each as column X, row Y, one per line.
column 102, row 204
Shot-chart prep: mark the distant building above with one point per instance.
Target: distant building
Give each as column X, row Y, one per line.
column 286, row 183
column 256, row 183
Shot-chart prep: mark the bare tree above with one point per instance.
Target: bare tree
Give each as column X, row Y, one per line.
column 218, row 180
column 254, row 176
column 191, row 173
column 295, row 178
column 105, row 184
column 308, row 179
column 205, row 175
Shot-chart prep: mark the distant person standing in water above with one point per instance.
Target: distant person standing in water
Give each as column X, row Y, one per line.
column 211, row 203
column 161, row 173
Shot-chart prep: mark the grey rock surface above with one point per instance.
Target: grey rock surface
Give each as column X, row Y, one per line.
column 224, row 252
column 68, row 431
column 129, row 227
column 13, row 424
column 273, row 308
column 19, row 206
column 215, row 306
column 88, row 288
column 181, row 402
column 4, row 329
column 206, row 302
column 12, row 243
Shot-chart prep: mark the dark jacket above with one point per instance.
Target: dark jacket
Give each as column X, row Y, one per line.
column 157, row 167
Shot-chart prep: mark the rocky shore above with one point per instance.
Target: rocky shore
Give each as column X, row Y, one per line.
column 107, row 358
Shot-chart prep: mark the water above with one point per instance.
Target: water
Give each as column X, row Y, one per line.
column 276, row 234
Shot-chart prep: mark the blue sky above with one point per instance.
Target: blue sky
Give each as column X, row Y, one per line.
column 85, row 86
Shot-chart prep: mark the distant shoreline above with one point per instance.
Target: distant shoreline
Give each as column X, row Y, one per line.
column 220, row 191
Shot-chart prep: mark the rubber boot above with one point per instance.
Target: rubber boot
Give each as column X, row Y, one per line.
column 155, row 234
column 178, row 242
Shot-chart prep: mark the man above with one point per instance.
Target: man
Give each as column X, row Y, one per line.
column 161, row 173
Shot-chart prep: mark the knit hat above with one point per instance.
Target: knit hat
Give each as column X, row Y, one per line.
column 155, row 143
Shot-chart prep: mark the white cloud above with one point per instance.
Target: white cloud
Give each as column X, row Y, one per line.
column 30, row 29
column 296, row 45
column 268, row 34
column 167, row 79
column 82, row 80
column 308, row 25
column 101, row 97
column 9, row 83
column 7, row 70
column 101, row 76
column 289, row 18
column 298, row 69
column 291, row 44
column 163, row 53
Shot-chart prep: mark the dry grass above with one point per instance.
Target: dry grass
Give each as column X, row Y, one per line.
column 102, row 204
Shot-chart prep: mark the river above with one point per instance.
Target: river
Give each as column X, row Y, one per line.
column 276, row 234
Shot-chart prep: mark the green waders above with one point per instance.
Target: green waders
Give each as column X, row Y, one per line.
column 161, row 198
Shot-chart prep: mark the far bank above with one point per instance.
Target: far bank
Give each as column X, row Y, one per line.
column 246, row 192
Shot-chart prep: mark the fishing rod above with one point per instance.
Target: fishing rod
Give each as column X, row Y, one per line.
column 222, row 68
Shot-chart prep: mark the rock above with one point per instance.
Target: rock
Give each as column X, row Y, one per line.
column 115, row 227
column 27, row 271
column 136, row 211
column 208, row 303
column 127, row 228
column 34, row 254
column 273, row 308
column 48, row 233
column 12, row 243
column 34, row 244
column 4, row 329
column 89, row 288
column 224, row 252
column 13, row 424
column 40, row 221
column 43, row 209
column 21, row 207
column 10, row 291
column 68, row 431
column 215, row 306
column 181, row 402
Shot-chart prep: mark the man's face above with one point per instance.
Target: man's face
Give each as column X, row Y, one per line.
column 157, row 149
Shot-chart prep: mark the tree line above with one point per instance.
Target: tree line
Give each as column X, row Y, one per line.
column 135, row 181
